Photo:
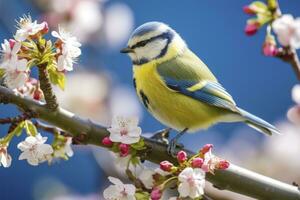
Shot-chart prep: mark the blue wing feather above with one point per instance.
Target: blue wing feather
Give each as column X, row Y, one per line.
column 205, row 94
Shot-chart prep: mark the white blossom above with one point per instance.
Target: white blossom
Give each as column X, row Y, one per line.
column 67, row 51
column 173, row 198
column 294, row 112
column 64, row 150
column 28, row 28
column 125, row 130
column 192, row 182
column 34, row 150
column 296, row 93
column 146, row 176
column 15, row 69
column 5, row 158
column 210, row 162
column 119, row 191
column 288, row 30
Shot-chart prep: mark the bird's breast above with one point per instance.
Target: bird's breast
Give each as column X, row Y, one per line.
column 169, row 107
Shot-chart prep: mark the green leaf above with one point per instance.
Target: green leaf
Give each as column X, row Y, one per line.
column 259, row 6
column 140, row 145
column 2, row 72
column 142, row 195
column 272, row 4
column 115, row 147
column 135, row 161
column 61, row 80
column 18, row 130
column 56, row 77
column 30, row 128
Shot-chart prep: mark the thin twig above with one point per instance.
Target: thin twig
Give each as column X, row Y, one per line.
column 50, row 98
column 290, row 56
column 19, row 118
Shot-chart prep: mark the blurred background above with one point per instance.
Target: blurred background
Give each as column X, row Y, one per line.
column 101, row 87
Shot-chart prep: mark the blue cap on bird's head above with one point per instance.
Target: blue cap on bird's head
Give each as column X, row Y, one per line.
column 150, row 41
column 150, row 27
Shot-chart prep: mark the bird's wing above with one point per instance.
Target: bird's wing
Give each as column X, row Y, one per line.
column 187, row 78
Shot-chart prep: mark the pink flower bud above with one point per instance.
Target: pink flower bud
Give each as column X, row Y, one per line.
column 45, row 29
column 223, row 164
column 251, row 28
column 249, row 10
column 206, row 148
column 124, row 150
column 12, row 43
column 181, row 156
column 197, row 162
column 269, row 49
column 107, row 142
column 156, row 194
column 37, row 94
column 166, row 166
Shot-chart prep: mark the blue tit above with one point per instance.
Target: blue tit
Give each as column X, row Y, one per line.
column 177, row 88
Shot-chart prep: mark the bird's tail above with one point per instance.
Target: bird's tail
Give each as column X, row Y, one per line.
column 258, row 123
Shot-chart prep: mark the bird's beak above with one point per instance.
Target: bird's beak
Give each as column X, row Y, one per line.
column 126, row 50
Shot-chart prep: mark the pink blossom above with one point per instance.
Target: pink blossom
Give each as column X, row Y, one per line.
column 223, row 164
column 251, row 28
column 124, row 150
column 166, row 166
column 249, row 10
column 181, row 156
column 206, row 148
column 107, row 142
column 156, row 194
column 269, row 49
column 197, row 162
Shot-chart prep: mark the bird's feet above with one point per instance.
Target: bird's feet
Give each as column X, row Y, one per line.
column 162, row 135
column 173, row 144
column 172, row 147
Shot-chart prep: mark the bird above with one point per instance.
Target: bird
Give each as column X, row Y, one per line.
column 177, row 88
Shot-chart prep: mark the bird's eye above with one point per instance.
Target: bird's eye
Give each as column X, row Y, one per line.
column 142, row 43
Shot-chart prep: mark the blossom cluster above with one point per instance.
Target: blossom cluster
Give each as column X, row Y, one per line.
column 125, row 138
column 28, row 48
column 286, row 27
column 34, row 148
column 188, row 177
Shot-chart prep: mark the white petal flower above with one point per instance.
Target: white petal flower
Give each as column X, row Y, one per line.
column 210, row 162
column 65, row 150
column 146, row 176
column 296, row 93
column 192, row 182
column 34, row 150
column 28, row 28
column 68, row 49
column 5, row 158
column 125, row 130
column 288, row 30
column 15, row 70
column 121, row 161
column 119, row 191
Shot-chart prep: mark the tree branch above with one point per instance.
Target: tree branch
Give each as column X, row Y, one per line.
column 51, row 101
column 234, row 178
column 290, row 56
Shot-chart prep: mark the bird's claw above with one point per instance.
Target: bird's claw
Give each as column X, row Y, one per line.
column 173, row 145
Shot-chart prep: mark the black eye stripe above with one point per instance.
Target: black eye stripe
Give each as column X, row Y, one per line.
column 168, row 35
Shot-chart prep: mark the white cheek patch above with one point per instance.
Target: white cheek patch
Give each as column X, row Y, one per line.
column 151, row 50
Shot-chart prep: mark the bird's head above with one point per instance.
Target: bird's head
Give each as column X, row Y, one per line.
column 153, row 41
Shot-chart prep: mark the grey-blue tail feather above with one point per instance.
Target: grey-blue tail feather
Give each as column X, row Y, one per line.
column 258, row 123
